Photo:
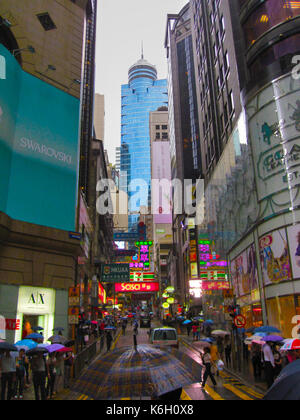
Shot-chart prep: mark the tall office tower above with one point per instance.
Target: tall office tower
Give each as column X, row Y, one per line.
column 183, row 108
column 183, row 130
column 118, row 158
column 220, row 75
column 143, row 94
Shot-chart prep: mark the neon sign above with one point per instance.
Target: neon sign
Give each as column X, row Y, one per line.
column 143, row 260
column 136, row 287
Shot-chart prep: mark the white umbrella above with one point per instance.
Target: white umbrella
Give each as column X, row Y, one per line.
column 220, row 332
column 249, row 340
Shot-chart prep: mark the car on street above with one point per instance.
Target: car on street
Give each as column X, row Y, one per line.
column 164, row 337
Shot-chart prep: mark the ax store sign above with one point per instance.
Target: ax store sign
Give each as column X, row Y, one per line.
column 36, row 300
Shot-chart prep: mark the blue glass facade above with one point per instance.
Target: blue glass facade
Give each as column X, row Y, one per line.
column 143, row 94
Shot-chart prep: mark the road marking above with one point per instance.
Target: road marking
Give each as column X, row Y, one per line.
column 213, row 394
column 251, row 391
column 237, row 392
column 116, row 340
column 127, row 398
column 185, row 395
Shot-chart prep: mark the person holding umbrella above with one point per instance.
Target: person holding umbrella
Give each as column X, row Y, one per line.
column 39, row 372
column 21, row 362
column 207, row 362
column 109, row 340
column 51, row 365
column 8, row 374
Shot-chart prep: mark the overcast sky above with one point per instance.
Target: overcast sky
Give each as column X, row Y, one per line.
column 122, row 26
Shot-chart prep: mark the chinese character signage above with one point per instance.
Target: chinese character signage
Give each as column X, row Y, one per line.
column 115, row 273
column 136, row 287
column 143, row 259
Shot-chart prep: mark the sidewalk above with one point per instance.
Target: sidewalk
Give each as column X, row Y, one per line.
column 245, row 377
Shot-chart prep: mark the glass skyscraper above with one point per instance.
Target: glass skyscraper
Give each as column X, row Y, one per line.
column 143, row 94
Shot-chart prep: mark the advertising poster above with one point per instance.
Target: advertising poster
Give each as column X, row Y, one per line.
column 39, row 132
column 235, row 277
column 252, row 268
column 294, row 244
column 274, row 257
column 241, row 266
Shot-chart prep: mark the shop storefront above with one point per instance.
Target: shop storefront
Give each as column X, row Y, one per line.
column 36, row 307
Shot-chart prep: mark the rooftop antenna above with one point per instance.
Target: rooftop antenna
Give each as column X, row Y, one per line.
column 142, row 51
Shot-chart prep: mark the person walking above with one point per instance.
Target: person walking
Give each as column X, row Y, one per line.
column 124, row 325
column 207, row 363
column 278, row 361
column 214, row 357
column 109, row 340
column 198, row 332
column 51, row 365
column 135, row 333
column 188, row 329
column 194, row 329
column 256, row 360
column 68, row 362
column 8, row 375
column 20, row 374
column 60, row 368
column 228, row 352
column 39, row 374
column 269, row 363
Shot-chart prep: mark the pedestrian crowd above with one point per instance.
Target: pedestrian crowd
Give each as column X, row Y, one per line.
column 48, row 374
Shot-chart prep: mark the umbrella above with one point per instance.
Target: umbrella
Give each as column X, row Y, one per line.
column 187, row 321
column 57, row 339
column 259, row 342
column 291, row 345
column 267, row 329
column 250, row 330
column 209, row 321
column 273, row 338
column 37, row 328
column 7, row 347
column 26, row 344
column 34, row 336
column 37, row 350
column 54, row 347
column 64, row 350
column 287, row 386
column 253, row 338
column 220, row 332
column 58, row 329
column 207, row 340
column 149, row 371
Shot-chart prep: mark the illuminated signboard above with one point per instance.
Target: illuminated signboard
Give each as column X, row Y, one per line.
column 136, row 287
column 141, row 276
column 210, row 275
column 143, row 261
column 215, row 285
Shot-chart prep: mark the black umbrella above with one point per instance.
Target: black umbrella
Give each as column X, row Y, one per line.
column 7, row 347
column 287, row 385
column 37, row 350
column 37, row 328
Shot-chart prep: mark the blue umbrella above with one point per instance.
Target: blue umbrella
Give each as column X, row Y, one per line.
column 187, row 321
column 209, row 321
column 30, row 344
column 267, row 329
column 35, row 336
column 207, row 340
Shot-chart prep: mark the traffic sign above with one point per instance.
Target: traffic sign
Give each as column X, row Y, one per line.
column 240, row 321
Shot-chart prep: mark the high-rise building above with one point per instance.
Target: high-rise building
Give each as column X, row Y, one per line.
column 143, row 93
column 185, row 146
column 220, row 75
column 42, row 46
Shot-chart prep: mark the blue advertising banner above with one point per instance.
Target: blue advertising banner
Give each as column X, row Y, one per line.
column 38, row 149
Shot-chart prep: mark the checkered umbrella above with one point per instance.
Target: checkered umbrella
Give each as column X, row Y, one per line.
column 149, row 371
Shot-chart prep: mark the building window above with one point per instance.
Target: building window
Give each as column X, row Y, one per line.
column 164, row 127
column 231, row 103
column 157, row 127
column 158, row 136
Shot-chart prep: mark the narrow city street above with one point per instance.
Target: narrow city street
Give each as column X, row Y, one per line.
column 229, row 387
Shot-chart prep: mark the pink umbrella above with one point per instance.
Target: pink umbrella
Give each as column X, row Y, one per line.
column 259, row 342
